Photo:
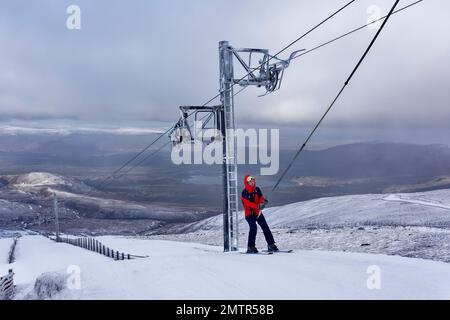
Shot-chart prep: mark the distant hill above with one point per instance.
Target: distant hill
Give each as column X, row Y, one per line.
column 424, row 209
column 358, row 168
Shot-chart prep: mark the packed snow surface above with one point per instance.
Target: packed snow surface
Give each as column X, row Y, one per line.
column 176, row 270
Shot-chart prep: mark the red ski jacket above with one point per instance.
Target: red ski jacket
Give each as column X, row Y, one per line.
column 251, row 198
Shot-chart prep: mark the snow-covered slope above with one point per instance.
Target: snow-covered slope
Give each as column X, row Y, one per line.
column 191, row 271
column 5, row 245
column 431, row 209
column 410, row 225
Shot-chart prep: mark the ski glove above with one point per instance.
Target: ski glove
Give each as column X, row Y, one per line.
column 263, row 205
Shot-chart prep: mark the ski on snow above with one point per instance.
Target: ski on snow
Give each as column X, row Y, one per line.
column 271, row 252
column 280, row 251
column 259, row 252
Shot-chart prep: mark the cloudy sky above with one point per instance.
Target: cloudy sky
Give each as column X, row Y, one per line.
column 134, row 62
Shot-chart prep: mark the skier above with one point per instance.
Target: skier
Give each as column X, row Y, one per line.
column 254, row 201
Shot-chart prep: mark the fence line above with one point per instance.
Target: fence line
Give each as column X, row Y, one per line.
column 7, row 286
column 94, row 245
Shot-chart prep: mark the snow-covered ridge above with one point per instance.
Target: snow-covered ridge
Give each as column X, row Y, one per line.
column 5, row 246
column 76, row 197
column 431, row 208
column 41, row 181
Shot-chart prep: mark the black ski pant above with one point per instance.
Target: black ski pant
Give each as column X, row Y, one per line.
column 252, row 220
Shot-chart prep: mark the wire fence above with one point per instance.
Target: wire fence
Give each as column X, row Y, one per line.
column 90, row 244
column 7, row 286
column 94, row 245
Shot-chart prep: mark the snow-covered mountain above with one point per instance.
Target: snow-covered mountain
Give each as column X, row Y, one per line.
column 40, row 181
column 429, row 209
column 405, row 224
column 30, row 194
column 409, row 224
column 370, row 226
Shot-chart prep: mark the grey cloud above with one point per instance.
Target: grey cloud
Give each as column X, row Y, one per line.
column 139, row 60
